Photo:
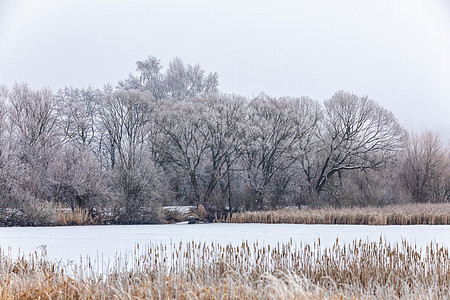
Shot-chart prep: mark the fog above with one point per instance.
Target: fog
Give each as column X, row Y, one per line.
column 394, row 52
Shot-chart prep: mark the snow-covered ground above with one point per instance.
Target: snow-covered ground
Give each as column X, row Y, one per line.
column 180, row 209
column 71, row 243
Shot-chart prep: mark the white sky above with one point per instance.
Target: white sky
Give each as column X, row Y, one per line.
column 396, row 52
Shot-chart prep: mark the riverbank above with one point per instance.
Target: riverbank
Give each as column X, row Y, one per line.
column 405, row 214
column 408, row 214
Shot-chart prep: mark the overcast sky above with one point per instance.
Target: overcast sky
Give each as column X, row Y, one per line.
column 396, row 52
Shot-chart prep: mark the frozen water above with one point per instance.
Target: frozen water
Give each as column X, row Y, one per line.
column 71, row 243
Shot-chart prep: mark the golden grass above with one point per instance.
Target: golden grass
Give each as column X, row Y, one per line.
column 410, row 214
column 77, row 216
column 359, row 270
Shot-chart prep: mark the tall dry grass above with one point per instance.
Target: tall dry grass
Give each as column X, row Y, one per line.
column 375, row 270
column 47, row 214
column 77, row 216
column 409, row 214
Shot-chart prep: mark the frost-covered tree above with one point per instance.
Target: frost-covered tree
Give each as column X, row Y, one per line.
column 76, row 175
column 126, row 124
column 183, row 140
column 3, row 118
column 224, row 122
column 125, row 117
column 168, row 131
column 187, row 81
column 355, row 134
column 78, row 180
column 426, row 168
column 10, row 169
column 179, row 81
column 79, row 115
column 274, row 135
column 33, row 117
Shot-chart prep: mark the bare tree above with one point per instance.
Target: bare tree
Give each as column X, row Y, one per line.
column 274, row 135
column 426, row 168
column 78, row 179
column 182, row 140
column 187, row 81
column 150, row 78
column 78, row 110
column 179, row 81
column 224, row 124
column 33, row 117
column 3, row 116
column 125, row 118
column 9, row 166
column 355, row 134
column 171, row 127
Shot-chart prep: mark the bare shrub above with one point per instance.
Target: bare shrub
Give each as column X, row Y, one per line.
column 30, row 212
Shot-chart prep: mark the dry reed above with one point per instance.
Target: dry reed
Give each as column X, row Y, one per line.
column 375, row 270
column 410, row 214
column 77, row 216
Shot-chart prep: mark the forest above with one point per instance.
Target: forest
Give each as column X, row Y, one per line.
column 169, row 136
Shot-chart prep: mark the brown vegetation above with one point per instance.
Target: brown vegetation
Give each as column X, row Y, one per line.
column 363, row 270
column 77, row 216
column 48, row 214
column 410, row 214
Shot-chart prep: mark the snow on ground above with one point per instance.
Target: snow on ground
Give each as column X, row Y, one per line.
column 72, row 243
column 180, row 209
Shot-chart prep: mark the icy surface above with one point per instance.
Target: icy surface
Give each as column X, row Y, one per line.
column 180, row 209
column 72, row 243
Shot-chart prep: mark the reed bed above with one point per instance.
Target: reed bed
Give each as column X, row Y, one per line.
column 409, row 214
column 77, row 216
column 360, row 270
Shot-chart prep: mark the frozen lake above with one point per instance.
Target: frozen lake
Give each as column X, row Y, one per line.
column 71, row 243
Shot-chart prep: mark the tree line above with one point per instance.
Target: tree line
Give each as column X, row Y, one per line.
column 168, row 136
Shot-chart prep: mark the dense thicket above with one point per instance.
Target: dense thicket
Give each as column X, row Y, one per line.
column 167, row 136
